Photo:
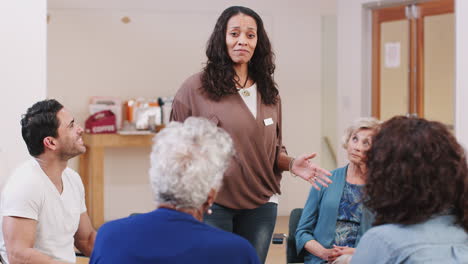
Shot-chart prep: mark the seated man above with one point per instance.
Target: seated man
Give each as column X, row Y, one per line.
column 42, row 205
column 187, row 166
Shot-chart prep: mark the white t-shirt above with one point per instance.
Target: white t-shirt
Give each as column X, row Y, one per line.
column 251, row 102
column 29, row 193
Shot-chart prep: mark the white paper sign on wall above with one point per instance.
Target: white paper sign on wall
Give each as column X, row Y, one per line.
column 392, row 54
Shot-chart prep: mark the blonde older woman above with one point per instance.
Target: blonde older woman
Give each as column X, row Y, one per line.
column 187, row 165
column 334, row 219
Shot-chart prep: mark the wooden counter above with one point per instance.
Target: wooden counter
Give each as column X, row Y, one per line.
column 91, row 167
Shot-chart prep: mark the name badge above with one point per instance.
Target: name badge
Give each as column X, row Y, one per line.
column 268, row 121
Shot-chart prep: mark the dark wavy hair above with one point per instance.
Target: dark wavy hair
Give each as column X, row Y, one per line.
column 416, row 170
column 218, row 74
column 39, row 122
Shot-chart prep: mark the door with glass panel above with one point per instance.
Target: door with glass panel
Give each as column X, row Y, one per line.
column 413, row 61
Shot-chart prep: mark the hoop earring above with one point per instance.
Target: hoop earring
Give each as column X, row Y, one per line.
column 209, row 211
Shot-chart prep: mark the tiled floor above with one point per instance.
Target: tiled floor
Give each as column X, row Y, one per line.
column 276, row 254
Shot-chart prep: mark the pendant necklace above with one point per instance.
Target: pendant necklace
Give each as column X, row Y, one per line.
column 244, row 92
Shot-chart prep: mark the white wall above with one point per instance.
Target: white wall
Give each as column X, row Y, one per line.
column 90, row 52
column 461, row 67
column 354, row 64
column 328, row 65
column 22, row 73
column 350, row 94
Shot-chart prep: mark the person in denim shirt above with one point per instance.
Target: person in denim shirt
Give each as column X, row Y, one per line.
column 417, row 186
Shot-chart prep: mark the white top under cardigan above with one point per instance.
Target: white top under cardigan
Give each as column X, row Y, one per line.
column 251, row 102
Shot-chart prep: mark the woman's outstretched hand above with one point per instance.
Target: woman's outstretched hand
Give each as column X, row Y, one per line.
column 304, row 168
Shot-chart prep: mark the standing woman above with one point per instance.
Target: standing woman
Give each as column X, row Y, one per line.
column 237, row 92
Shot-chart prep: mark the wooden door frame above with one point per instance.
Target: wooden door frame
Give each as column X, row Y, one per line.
column 427, row 9
column 416, row 87
column 379, row 16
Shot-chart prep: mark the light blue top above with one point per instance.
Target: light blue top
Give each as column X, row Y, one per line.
column 318, row 220
column 437, row 240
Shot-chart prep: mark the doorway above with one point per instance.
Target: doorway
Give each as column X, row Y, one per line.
column 413, row 60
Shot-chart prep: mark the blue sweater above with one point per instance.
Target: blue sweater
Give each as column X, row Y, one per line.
column 318, row 220
column 168, row 236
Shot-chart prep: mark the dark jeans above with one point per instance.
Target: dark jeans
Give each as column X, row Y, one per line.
column 255, row 225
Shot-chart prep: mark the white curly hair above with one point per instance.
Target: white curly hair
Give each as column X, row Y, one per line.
column 187, row 160
column 360, row 123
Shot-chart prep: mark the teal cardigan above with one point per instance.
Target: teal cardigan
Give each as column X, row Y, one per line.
column 318, row 220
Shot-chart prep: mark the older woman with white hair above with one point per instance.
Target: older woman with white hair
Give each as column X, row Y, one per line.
column 188, row 161
column 334, row 218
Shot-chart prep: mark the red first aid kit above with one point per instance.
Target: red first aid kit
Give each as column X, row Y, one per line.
column 102, row 122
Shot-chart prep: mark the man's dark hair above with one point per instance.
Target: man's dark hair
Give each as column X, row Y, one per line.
column 39, row 122
column 416, row 170
column 218, row 74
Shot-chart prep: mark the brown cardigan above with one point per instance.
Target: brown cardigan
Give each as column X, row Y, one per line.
column 252, row 177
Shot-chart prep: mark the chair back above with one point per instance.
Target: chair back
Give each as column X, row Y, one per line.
column 291, row 252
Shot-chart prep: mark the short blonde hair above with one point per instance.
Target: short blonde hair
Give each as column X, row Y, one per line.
column 360, row 123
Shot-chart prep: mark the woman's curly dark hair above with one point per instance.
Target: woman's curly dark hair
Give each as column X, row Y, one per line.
column 218, row 74
column 416, row 169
